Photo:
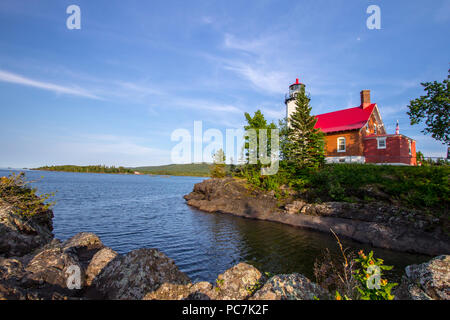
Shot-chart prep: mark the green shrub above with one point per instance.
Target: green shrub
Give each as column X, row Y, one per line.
column 353, row 277
column 15, row 191
column 369, row 276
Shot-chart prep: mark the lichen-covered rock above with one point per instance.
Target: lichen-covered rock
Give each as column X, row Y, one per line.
column 16, row 283
column 170, row 291
column 238, row 282
column 137, row 273
column 295, row 207
column 426, row 281
column 20, row 235
column 84, row 245
column 290, row 287
column 230, row 195
column 98, row 262
column 83, row 240
column 54, row 266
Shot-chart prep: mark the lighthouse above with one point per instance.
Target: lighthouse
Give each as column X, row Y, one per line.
column 290, row 97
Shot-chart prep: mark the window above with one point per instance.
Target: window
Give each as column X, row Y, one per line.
column 409, row 146
column 367, row 127
column 375, row 128
column 341, row 144
column 381, row 143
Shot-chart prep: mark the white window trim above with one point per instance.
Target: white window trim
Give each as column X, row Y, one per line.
column 345, row 144
column 378, row 142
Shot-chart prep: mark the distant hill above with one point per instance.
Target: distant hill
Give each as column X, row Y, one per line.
column 190, row 169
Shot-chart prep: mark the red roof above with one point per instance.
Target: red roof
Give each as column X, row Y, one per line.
column 343, row 120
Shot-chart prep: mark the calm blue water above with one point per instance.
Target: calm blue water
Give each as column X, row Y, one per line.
column 131, row 211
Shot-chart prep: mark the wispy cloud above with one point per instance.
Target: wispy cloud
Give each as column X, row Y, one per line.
column 205, row 105
column 261, row 77
column 10, row 77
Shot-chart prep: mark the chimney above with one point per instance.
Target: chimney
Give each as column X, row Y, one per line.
column 365, row 98
column 296, row 81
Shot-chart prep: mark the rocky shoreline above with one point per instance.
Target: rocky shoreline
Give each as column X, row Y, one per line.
column 376, row 223
column 35, row 266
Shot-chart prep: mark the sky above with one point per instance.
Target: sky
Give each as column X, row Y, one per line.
column 114, row 91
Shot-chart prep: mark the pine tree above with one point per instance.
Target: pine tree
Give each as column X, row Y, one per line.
column 218, row 169
column 257, row 123
column 305, row 148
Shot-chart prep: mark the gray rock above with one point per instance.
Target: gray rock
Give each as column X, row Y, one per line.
column 17, row 283
column 51, row 266
column 290, row 287
column 239, row 282
column 84, row 245
column 137, row 273
column 99, row 261
column 20, row 235
column 295, row 207
column 170, row 291
column 83, row 240
column 426, row 281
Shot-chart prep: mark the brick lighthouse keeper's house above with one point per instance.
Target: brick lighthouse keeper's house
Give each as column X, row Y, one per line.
column 358, row 135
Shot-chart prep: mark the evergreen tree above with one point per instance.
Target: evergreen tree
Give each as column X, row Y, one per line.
column 305, row 146
column 218, row 169
column 257, row 123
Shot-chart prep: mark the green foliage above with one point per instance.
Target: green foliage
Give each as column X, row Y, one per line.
column 353, row 277
column 369, row 275
column 188, row 169
column 218, row 168
column 305, row 145
column 87, row 169
column 257, row 123
column 425, row 187
column 15, row 191
column 434, row 107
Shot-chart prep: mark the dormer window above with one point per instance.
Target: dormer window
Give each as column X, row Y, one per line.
column 341, row 144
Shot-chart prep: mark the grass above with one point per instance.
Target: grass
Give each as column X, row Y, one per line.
column 416, row 187
column 425, row 188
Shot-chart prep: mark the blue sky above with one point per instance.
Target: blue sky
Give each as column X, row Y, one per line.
column 113, row 92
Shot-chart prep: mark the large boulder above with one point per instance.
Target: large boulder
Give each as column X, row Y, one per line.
column 426, row 281
column 239, row 282
column 20, row 235
column 290, row 287
column 137, row 273
column 232, row 196
column 170, row 291
column 18, row 283
column 54, row 266
column 84, row 245
column 53, row 271
column 99, row 261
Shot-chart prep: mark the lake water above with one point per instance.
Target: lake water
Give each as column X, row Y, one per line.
column 131, row 211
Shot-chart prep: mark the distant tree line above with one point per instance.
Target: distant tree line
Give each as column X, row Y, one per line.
column 89, row 169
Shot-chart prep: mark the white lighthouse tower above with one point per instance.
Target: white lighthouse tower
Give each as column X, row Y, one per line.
column 290, row 98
